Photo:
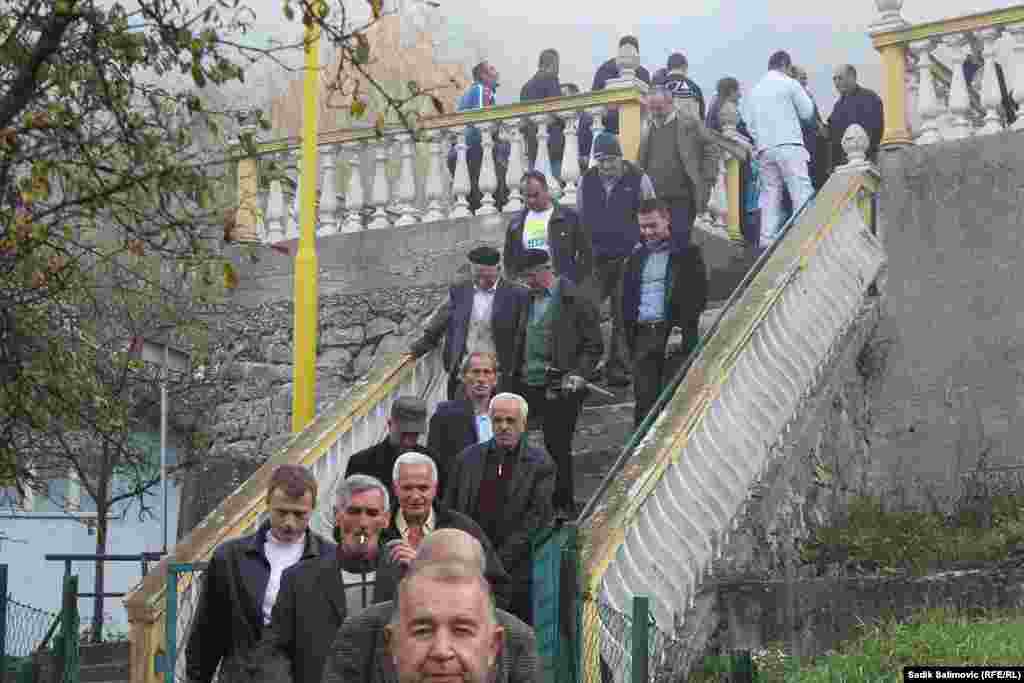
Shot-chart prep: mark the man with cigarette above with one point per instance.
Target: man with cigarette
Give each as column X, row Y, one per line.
column 418, row 514
column 316, row 596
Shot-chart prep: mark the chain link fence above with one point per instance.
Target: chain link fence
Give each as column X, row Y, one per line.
column 27, row 626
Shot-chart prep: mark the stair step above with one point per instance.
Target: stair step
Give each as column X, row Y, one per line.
column 105, row 673
column 104, row 653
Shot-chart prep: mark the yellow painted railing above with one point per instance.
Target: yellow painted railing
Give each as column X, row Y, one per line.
column 356, row 421
column 666, row 510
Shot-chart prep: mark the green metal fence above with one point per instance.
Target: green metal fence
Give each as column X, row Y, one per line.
column 184, row 584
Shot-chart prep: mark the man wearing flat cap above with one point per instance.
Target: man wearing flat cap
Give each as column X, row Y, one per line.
column 558, row 344
column 406, row 425
column 480, row 315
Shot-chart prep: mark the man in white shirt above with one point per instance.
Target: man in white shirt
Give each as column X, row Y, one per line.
column 243, row 579
column 773, row 111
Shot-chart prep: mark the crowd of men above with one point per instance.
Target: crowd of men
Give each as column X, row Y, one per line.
column 429, row 571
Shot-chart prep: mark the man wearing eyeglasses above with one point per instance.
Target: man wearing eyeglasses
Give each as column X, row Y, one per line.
column 611, row 191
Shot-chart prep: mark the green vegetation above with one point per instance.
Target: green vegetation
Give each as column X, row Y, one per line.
column 934, row 637
column 919, row 540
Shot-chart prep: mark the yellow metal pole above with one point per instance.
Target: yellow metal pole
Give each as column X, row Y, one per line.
column 732, row 195
column 894, row 64
column 306, row 267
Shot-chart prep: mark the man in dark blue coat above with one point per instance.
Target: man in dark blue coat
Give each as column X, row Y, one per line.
column 464, row 421
column 610, row 192
column 543, row 85
column 666, row 286
column 481, row 314
column 856, row 105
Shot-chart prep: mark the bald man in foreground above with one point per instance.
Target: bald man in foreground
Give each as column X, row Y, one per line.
column 361, row 655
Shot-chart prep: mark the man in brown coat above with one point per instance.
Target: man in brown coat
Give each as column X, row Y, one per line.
column 678, row 154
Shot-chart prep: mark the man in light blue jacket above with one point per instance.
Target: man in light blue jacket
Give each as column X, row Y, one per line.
column 774, row 110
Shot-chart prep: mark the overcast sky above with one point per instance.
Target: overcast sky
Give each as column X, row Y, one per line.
column 732, row 37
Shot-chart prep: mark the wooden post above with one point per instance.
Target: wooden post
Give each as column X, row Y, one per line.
column 639, row 651
column 145, row 639
column 735, row 201
column 894, row 66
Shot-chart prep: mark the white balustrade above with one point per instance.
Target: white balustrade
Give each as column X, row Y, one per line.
column 928, row 106
column 460, row 183
column 959, row 97
column 437, row 169
column 1017, row 31
column 355, row 195
column 912, row 82
column 488, row 176
column 570, row 160
column 329, row 218
column 379, row 220
column 275, row 213
column 407, row 182
column 990, row 96
column 515, row 169
column 543, row 161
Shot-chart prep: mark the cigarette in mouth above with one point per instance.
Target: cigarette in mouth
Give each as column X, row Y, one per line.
column 362, row 538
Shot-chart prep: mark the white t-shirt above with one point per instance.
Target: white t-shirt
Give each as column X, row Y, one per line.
column 280, row 556
column 535, row 229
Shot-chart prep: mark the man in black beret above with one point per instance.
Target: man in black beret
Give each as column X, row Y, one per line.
column 558, row 344
column 481, row 314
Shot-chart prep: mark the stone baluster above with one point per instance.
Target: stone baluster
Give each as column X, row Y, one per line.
column 959, row 97
column 407, row 182
column 437, row 169
column 543, row 162
column 912, row 85
column 515, row 168
column 381, row 187
column 1017, row 31
column 990, row 95
column 488, row 175
column 570, row 161
column 928, row 106
column 460, row 183
column 329, row 218
column 596, row 128
column 355, row 197
column 275, row 213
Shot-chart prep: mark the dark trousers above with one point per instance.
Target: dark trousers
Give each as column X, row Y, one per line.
column 474, row 162
column 608, row 280
column 556, row 417
column 454, row 386
column 682, row 211
column 652, row 370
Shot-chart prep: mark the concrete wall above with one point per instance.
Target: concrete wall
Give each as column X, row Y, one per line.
column 951, row 221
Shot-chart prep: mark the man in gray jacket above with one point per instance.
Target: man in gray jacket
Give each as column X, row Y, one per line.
column 360, row 654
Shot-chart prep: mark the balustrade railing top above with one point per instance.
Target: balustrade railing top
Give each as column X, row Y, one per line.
column 985, row 89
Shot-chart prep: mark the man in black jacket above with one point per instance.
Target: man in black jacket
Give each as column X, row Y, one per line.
column 856, row 105
column 242, row 581
column 557, row 229
column 417, row 515
column 665, row 286
column 456, row 425
column 481, row 314
column 542, row 85
column 406, row 425
column 317, row 595
column 506, row 486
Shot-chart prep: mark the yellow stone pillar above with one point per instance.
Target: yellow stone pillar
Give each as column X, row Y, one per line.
column 733, row 198
column 247, row 211
column 145, row 636
column 894, row 98
column 307, row 298
column 630, row 119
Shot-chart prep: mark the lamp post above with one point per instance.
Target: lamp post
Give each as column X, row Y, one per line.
column 169, row 359
column 306, row 267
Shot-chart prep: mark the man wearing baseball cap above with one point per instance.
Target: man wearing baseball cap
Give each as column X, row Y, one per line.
column 407, row 424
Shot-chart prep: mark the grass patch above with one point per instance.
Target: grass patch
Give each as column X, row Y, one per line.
column 918, row 540
column 933, row 637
